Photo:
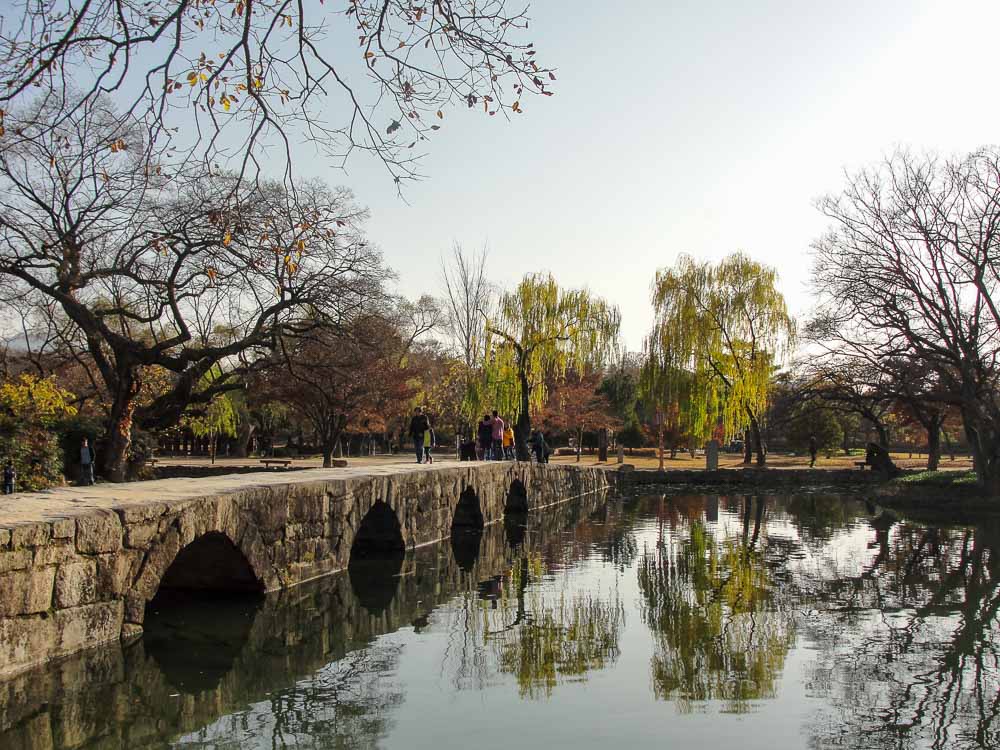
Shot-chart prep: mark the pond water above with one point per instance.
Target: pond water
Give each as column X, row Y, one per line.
column 695, row 621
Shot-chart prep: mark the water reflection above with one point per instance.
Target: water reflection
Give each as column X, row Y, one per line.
column 919, row 666
column 720, row 627
column 841, row 622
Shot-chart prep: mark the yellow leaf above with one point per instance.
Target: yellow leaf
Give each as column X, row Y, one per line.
column 225, row 104
column 369, row 55
column 227, row 239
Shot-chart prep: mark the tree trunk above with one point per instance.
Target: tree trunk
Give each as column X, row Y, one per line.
column 883, row 435
column 747, row 447
column 119, row 444
column 244, row 434
column 523, row 431
column 846, row 442
column 758, row 441
column 934, row 443
column 985, row 450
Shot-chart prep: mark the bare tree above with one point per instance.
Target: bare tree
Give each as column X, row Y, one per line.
column 184, row 276
column 212, row 81
column 468, row 301
column 334, row 378
column 909, row 270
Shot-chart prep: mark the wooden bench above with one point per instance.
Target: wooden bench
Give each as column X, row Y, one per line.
column 151, row 461
column 861, row 464
column 283, row 462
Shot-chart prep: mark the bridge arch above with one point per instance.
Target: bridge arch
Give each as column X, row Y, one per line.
column 517, row 497
column 211, row 562
column 376, row 559
column 468, row 514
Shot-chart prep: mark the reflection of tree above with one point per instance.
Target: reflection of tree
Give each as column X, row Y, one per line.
column 533, row 629
column 720, row 632
column 347, row 704
column 920, row 667
column 561, row 640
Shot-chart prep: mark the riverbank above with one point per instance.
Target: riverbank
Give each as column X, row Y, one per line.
column 940, row 493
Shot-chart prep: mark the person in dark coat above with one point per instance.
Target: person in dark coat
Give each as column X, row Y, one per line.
column 813, row 450
column 9, row 477
column 86, row 463
column 418, row 426
column 539, row 447
column 485, row 438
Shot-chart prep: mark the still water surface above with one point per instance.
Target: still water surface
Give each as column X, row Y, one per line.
column 779, row 622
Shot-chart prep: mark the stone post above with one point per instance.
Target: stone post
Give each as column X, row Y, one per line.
column 712, row 455
column 621, row 453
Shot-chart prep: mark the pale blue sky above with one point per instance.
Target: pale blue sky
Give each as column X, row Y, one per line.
column 698, row 127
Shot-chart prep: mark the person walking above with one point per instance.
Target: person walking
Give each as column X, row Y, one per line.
column 86, row 463
column 9, row 477
column 508, row 443
column 485, row 438
column 498, row 427
column 428, row 443
column 813, row 450
column 539, row 448
column 418, row 426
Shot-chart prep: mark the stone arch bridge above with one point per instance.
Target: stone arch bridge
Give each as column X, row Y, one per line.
column 161, row 689
column 78, row 566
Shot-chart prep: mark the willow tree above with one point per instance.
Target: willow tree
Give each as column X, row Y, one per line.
column 720, row 330
column 537, row 333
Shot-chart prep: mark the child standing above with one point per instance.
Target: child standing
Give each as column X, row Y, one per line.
column 428, row 444
column 508, row 442
column 9, row 477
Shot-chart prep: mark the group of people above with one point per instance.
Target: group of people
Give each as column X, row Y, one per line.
column 494, row 440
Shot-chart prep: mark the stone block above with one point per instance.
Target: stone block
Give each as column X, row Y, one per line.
column 23, row 641
column 141, row 513
column 64, row 528
column 15, row 560
column 100, row 531
column 305, row 507
column 158, row 559
column 141, row 533
column 135, row 608
column 25, row 592
column 30, row 535
column 52, row 554
column 76, row 584
column 116, row 571
column 85, row 626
